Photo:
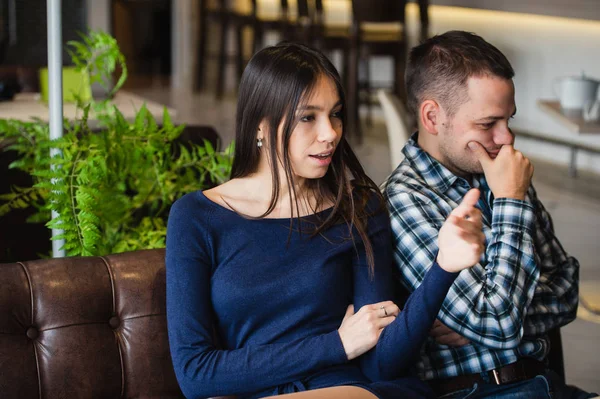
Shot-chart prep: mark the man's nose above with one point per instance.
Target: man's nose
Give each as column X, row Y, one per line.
column 504, row 136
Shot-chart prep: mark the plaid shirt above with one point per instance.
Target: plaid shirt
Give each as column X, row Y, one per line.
column 524, row 285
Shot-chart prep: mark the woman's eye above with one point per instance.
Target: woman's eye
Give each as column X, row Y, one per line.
column 337, row 114
column 307, row 118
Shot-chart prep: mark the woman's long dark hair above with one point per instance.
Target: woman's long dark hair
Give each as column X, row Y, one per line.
column 275, row 82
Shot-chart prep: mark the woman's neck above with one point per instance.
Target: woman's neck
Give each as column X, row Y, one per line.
column 252, row 195
column 297, row 188
column 260, row 188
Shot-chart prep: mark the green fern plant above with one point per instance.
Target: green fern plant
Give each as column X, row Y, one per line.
column 112, row 186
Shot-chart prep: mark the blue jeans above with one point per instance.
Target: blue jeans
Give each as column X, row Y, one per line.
column 545, row 386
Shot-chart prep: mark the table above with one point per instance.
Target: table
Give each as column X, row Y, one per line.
column 573, row 120
column 27, row 106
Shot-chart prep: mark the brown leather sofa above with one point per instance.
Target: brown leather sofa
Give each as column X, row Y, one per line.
column 93, row 327
column 85, row 328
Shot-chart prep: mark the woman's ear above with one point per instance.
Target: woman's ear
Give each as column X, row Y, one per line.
column 262, row 132
column 430, row 116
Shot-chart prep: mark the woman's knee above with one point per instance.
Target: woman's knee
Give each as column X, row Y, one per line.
column 346, row 392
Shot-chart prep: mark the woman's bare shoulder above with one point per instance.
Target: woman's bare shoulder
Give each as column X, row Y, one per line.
column 223, row 193
column 233, row 195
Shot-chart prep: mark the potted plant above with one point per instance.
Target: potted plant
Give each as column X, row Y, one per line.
column 111, row 187
column 95, row 59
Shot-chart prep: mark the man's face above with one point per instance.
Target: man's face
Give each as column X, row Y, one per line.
column 483, row 118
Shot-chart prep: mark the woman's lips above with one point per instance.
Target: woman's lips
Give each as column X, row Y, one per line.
column 323, row 158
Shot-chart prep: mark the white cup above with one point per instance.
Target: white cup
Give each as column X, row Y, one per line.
column 575, row 92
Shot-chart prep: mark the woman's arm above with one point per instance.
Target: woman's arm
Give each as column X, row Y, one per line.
column 461, row 243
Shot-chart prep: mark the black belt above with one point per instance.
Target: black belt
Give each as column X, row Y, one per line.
column 523, row 369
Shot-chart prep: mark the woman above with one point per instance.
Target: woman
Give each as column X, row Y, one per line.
column 272, row 259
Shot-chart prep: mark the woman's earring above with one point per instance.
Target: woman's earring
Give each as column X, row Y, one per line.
column 259, row 143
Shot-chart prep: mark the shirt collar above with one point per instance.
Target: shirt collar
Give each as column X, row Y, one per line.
column 435, row 174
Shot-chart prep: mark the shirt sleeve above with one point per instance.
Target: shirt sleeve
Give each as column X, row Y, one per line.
column 487, row 303
column 201, row 368
column 400, row 342
column 557, row 291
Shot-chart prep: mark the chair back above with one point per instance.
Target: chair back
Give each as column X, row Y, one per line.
column 303, row 9
column 398, row 123
column 373, row 11
column 283, row 12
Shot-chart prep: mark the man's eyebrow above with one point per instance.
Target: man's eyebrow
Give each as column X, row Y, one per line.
column 495, row 117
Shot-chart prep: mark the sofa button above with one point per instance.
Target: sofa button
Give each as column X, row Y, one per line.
column 114, row 322
column 32, row 333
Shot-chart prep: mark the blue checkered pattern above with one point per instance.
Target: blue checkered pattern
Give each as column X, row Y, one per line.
column 524, row 285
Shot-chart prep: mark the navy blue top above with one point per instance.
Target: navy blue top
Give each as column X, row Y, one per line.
column 277, row 300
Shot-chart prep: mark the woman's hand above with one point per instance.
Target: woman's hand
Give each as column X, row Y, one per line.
column 461, row 240
column 360, row 331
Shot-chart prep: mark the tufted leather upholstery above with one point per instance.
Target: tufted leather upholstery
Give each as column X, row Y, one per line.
column 90, row 327
column 93, row 327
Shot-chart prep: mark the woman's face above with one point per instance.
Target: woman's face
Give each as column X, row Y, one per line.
column 317, row 132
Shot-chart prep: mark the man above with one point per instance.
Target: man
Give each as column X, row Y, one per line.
column 491, row 337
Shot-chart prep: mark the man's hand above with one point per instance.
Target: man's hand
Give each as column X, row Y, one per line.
column 509, row 175
column 461, row 239
column 445, row 336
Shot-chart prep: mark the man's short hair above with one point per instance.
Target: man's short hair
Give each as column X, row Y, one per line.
column 439, row 68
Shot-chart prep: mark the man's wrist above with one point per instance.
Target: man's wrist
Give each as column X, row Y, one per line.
column 510, row 195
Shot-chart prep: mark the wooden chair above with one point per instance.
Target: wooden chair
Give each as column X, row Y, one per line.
column 282, row 22
column 377, row 29
column 424, row 19
column 229, row 17
column 302, row 29
column 226, row 17
column 328, row 37
column 399, row 125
